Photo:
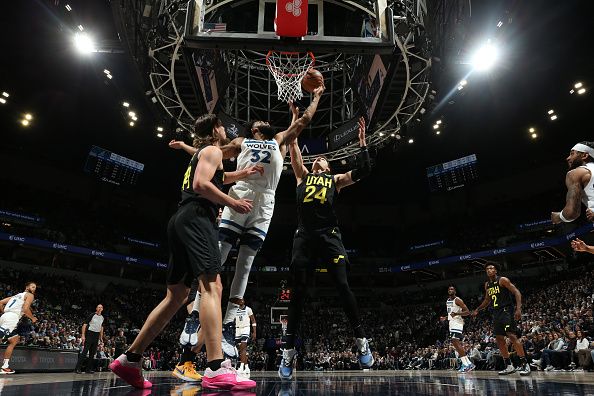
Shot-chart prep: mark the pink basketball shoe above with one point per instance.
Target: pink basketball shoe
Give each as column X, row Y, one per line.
column 226, row 378
column 131, row 372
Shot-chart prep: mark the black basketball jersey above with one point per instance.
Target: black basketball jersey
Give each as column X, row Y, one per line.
column 315, row 201
column 500, row 296
column 211, row 209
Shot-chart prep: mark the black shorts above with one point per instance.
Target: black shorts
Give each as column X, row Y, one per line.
column 503, row 321
column 311, row 245
column 457, row 335
column 193, row 245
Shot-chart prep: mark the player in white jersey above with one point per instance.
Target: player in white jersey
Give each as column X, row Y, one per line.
column 579, row 182
column 245, row 328
column 456, row 311
column 267, row 148
column 12, row 309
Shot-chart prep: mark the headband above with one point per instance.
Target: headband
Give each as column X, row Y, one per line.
column 582, row 148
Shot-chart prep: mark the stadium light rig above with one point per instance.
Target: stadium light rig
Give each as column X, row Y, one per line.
column 485, row 57
column 84, row 43
column 411, row 141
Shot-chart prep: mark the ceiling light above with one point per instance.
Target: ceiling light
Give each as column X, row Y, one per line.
column 134, row 118
column 160, row 129
column 463, row 82
column 436, row 126
column 192, row 135
column 5, row 94
column 343, row 162
column 84, row 43
column 109, row 76
column 551, row 111
column 531, row 130
column 411, row 140
column 534, row 136
column 126, row 104
column 132, row 114
column 159, row 135
column 499, row 24
column 80, row 27
column 553, row 117
column 437, row 132
column 2, row 100
column 460, row 87
column 485, row 57
column 28, row 117
column 68, row 7
column 393, row 134
column 581, row 91
column 131, row 123
column 578, row 85
column 381, row 134
column 438, row 122
column 25, row 122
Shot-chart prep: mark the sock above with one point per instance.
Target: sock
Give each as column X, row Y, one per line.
column 196, row 305
column 230, row 313
column 359, row 333
column 507, row 362
column 465, row 360
column 187, row 355
column 133, row 357
column 241, row 366
column 214, row 365
column 5, row 365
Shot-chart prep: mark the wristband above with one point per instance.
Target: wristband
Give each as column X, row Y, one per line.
column 253, row 325
column 563, row 219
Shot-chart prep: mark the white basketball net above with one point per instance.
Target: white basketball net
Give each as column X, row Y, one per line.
column 288, row 69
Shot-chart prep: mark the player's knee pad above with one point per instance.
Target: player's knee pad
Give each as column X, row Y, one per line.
column 252, row 241
column 228, row 235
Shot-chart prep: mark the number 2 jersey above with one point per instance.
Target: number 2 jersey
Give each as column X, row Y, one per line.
column 315, row 201
column 500, row 296
column 261, row 152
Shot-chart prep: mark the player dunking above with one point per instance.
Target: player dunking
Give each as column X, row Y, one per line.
column 498, row 295
column 456, row 311
column 318, row 235
column 12, row 309
column 268, row 149
column 194, row 253
column 579, row 182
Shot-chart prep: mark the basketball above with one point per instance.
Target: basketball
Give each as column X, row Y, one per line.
column 312, row 80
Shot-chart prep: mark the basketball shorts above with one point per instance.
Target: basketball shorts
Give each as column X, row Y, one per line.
column 241, row 338
column 249, row 228
column 193, row 245
column 325, row 244
column 9, row 322
column 457, row 334
column 503, row 321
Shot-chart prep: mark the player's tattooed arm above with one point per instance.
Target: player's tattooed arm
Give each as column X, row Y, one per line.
column 296, row 127
column 572, row 208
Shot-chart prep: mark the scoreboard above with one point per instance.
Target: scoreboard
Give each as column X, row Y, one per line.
column 452, row 174
column 112, row 168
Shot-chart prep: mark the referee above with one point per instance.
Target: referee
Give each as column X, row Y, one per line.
column 92, row 335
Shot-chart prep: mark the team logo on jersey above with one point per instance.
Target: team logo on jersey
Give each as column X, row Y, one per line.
column 294, row 7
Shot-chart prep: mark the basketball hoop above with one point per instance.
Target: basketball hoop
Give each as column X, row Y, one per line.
column 288, row 69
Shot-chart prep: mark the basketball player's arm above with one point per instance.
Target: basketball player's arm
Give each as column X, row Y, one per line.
column 83, row 333
column 296, row 127
column 573, row 206
column 505, row 282
column 363, row 168
column 27, row 307
column 232, row 177
column 210, row 159
column 297, row 161
column 465, row 311
column 577, row 244
column 484, row 304
column 3, row 303
column 233, row 148
column 253, row 325
column 178, row 144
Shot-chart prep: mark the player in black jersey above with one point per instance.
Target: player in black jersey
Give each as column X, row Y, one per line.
column 194, row 253
column 318, row 236
column 498, row 295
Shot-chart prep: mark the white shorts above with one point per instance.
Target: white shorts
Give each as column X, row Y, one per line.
column 251, row 228
column 9, row 322
column 242, row 332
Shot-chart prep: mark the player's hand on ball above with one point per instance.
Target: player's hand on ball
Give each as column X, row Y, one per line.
column 252, row 170
column 319, row 91
column 242, row 205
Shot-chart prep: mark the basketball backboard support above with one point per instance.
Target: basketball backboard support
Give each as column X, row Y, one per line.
column 249, row 25
column 277, row 313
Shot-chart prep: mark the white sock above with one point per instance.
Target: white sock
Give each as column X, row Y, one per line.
column 196, row 305
column 5, row 365
column 242, row 366
column 465, row 360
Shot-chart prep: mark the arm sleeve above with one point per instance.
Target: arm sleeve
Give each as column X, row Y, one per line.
column 363, row 168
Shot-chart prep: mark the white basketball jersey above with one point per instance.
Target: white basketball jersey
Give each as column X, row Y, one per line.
column 588, row 196
column 261, row 152
column 15, row 304
column 456, row 322
column 242, row 318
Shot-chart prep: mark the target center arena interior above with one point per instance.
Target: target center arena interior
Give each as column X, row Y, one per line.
column 473, row 275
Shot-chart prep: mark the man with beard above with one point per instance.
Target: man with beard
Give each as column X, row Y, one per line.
column 579, row 182
column 456, row 311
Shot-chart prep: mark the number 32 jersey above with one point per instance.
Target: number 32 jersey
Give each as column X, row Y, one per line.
column 261, row 152
column 315, row 201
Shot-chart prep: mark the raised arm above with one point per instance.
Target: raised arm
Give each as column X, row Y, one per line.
column 233, row 148
column 363, row 168
column 209, row 162
column 296, row 127
column 577, row 244
column 180, row 145
column 505, row 282
column 297, row 162
column 572, row 209
column 484, row 304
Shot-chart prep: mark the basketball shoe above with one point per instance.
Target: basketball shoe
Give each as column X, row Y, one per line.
column 190, row 333
column 228, row 341
column 365, row 357
column 187, row 372
column 6, row 370
column 131, row 372
column 285, row 369
column 225, row 378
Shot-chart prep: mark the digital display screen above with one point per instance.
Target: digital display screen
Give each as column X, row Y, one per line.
column 112, row 168
column 454, row 174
